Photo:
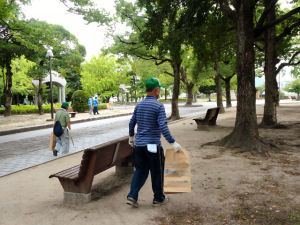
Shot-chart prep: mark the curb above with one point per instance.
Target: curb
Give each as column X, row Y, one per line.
column 44, row 126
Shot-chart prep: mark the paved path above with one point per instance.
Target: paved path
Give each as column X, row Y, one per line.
column 23, row 150
column 27, row 149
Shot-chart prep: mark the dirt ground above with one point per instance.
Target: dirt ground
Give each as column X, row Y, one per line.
column 227, row 188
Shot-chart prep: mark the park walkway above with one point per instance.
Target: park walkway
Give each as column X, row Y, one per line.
column 220, row 183
column 30, row 148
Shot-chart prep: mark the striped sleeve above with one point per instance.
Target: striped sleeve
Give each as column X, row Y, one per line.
column 162, row 122
column 132, row 123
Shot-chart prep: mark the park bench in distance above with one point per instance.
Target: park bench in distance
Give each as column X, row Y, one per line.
column 77, row 180
column 70, row 111
column 209, row 119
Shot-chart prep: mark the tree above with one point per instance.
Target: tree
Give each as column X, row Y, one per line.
column 68, row 54
column 228, row 71
column 208, row 90
column 245, row 134
column 102, row 75
column 29, row 38
column 159, row 30
column 276, row 44
column 22, row 82
column 12, row 44
column 294, row 86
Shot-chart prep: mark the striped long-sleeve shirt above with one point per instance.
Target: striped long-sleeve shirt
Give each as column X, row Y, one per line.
column 150, row 117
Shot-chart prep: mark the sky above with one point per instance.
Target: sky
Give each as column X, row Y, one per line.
column 89, row 35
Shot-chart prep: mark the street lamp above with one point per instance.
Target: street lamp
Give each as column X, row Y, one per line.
column 50, row 55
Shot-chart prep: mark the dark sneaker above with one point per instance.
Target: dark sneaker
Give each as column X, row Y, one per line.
column 55, row 152
column 157, row 203
column 133, row 202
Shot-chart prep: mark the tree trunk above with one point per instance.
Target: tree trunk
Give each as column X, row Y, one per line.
column 195, row 97
column 166, row 97
column 208, row 95
column 189, row 99
column 245, row 134
column 175, row 110
column 219, row 88
column 271, row 92
column 7, row 89
column 228, row 96
column 40, row 92
column 189, row 87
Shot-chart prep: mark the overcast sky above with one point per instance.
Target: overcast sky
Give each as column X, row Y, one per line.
column 89, row 35
column 54, row 12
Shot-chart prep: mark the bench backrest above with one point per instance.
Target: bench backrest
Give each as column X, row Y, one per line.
column 212, row 113
column 102, row 157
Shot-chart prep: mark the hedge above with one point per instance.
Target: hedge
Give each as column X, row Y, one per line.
column 26, row 109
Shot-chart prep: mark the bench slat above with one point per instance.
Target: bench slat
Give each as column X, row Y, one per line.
column 66, row 172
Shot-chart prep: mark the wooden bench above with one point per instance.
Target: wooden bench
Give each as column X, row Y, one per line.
column 70, row 111
column 209, row 119
column 77, row 180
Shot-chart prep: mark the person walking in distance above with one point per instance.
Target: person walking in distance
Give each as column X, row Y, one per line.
column 150, row 117
column 63, row 141
column 90, row 105
column 95, row 105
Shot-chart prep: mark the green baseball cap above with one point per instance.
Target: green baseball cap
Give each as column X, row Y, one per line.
column 152, row 83
column 65, row 104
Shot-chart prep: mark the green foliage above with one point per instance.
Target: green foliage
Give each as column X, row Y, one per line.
column 102, row 75
column 21, row 81
column 281, row 95
column 102, row 106
column 27, row 109
column 296, row 71
column 261, row 88
column 209, row 89
column 80, row 101
column 293, row 86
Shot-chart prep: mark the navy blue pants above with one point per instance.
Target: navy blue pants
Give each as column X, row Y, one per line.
column 96, row 110
column 145, row 161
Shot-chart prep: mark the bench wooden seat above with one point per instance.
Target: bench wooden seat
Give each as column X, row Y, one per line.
column 78, row 179
column 73, row 114
column 70, row 111
column 209, row 119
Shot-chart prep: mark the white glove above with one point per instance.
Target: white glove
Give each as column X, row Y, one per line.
column 131, row 141
column 176, row 147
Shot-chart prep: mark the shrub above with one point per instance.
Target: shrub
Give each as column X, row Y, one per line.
column 80, row 101
column 102, row 106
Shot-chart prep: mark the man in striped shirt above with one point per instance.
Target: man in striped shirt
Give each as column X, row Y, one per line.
column 150, row 117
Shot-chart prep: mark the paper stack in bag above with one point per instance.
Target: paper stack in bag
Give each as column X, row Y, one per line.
column 177, row 173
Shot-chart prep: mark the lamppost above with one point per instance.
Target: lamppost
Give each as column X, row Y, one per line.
column 50, row 55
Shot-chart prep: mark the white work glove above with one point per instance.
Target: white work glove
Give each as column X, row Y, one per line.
column 176, row 147
column 131, row 141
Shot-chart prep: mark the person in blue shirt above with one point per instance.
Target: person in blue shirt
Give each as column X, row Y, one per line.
column 95, row 105
column 150, row 117
column 90, row 104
